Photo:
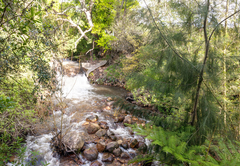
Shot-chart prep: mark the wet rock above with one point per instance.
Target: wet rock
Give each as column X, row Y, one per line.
column 115, row 163
column 111, row 146
column 124, row 155
column 122, row 160
column 134, row 143
column 92, row 118
column 101, row 146
column 89, row 146
column 107, row 157
column 100, row 133
column 96, row 163
column 74, row 140
column 103, row 125
column 90, row 154
column 132, row 154
column 35, row 159
column 85, row 124
column 119, row 142
column 117, row 152
column 128, row 120
column 142, row 147
column 119, row 118
column 68, row 163
column 93, row 128
column 113, row 137
column 125, row 145
column 110, row 133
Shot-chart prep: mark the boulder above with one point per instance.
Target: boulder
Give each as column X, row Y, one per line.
column 107, row 157
column 142, row 147
column 125, row 145
column 117, row 152
column 100, row 133
column 74, row 140
column 93, row 128
column 111, row 146
column 134, row 143
column 92, row 118
column 101, row 146
column 96, row 163
column 124, row 155
column 90, row 154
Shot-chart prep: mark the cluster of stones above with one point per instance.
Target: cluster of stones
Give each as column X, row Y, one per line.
column 100, row 139
column 106, row 142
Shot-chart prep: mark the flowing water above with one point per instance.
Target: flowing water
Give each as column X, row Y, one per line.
column 82, row 101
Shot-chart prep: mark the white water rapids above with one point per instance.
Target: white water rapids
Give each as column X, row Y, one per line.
column 82, row 99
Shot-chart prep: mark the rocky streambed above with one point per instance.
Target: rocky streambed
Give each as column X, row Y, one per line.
column 104, row 139
column 86, row 129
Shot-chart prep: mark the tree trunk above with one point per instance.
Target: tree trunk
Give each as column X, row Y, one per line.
column 224, row 68
column 200, row 80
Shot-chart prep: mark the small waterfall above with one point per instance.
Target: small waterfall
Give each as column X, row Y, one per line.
column 76, row 87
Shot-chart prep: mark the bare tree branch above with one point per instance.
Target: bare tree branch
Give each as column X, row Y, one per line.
column 88, row 16
column 74, row 25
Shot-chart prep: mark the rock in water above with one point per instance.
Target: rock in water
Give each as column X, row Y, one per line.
column 96, row 163
column 125, row 155
column 111, row 146
column 107, row 157
column 103, row 125
column 74, row 140
column 101, row 146
column 113, row 137
column 142, row 147
column 117, row 152
column 124, row 145
column 90, row 154
column 134, row 143
column 100, row 133
column 110, row 133
column 92, row 118
column 93, row 128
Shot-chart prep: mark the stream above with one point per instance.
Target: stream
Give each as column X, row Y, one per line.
column 85, row 104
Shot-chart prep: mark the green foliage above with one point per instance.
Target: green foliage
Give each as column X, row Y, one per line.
column 7, row 151
column 172, row 148
column 103, row 16
column 27, row 46
column 16, row 110
column 6, row 103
